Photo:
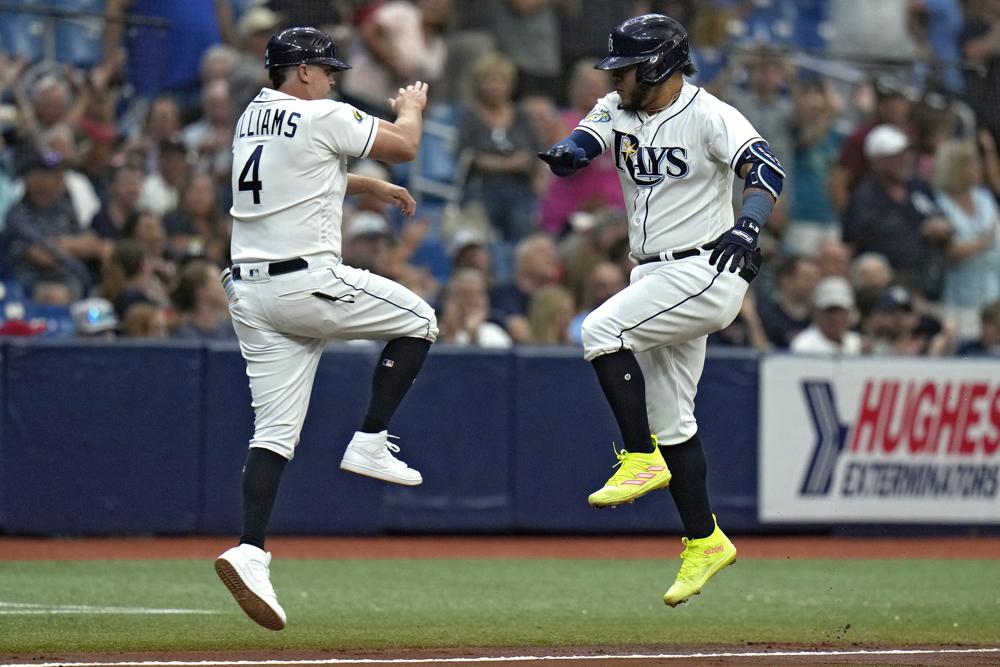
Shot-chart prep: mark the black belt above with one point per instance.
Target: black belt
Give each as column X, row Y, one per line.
column 278, row 268
column 672, row 254
column 747, row 273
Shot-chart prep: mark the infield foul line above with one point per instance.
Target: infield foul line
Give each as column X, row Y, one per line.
column 513, row 658
column 31, row 608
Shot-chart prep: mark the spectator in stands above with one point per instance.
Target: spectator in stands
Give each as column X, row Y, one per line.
column 833, row 258
column 813, row 217
column 527, row 32
column 895, row 215
column 98, row 152
column 988, row 341
column 604, row 281
column 145, row 320
column 211, row 137
column 898, row 326
column 129, row 278
column 787, row 312
column 536, row 265
column 253, row 30
column 202, row 304
column 60, row 139
column 550, row 312
column 870, row 276
column 147, row 229
column 196, row 228
column 122, row 203
column 162, row 125
column 980, row 44
column 832, row 319
column 502, row 142
column 590, row 189
column 368, row 237
column 217, row 64
column 52, row 102
column 892, row 107
column 164, row 58
column 936, row 26
column 94, row 318
column 469, row 249
column 465, row 312
column 161, row 189
column 46, row 247
column 399, row 41
column 972, row 276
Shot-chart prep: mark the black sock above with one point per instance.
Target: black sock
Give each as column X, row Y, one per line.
column 688, row 486
column 261, row 476
column 397, row 368
column 625, row 388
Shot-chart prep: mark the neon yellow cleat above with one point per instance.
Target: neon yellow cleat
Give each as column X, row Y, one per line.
column 701, row 560
column 638, row 475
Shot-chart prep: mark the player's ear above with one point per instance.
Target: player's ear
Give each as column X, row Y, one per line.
column 303, row 72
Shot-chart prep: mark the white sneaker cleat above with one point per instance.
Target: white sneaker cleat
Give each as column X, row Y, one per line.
column 245, row 572
column 371, row 454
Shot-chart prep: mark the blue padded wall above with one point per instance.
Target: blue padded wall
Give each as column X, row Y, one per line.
column 315, row 495
column 99, row 447
column 455, row 428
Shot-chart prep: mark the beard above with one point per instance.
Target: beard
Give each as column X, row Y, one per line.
column 636, row 100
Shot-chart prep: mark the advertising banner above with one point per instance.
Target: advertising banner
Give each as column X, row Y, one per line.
column 879, row 440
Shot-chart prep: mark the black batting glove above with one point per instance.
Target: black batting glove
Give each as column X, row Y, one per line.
column 734, row 245
column 563, row 160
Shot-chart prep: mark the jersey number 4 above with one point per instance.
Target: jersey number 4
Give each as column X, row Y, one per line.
column 252, row 167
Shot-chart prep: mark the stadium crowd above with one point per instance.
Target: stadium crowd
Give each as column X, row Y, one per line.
column 115, row 164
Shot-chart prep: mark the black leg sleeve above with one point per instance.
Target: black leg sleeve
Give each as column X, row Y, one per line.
column 625, row 388
column 261, row 477
column 688, row 486
column 397, row 369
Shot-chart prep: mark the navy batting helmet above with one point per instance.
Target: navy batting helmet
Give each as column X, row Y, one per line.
column 656, row 43
column 295, row 46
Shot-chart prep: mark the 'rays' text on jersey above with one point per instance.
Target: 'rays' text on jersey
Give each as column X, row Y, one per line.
column 257, row 122
column 649, row 165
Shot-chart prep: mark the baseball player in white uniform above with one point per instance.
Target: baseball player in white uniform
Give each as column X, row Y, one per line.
column 676, row 148
column 289, row 292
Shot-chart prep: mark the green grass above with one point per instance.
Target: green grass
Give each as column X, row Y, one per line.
column 424, row 603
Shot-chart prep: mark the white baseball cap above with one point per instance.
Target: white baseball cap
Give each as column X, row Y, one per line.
column 833, row 292
column 885, row 140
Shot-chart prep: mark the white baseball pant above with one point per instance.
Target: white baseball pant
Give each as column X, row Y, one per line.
column 284, row 322
column 664, row 316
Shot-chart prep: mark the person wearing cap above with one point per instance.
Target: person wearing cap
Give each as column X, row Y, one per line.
column 892, row 106
column 895, row 214
column 899, row 325
column 46, row 249
column 290, row 292
column 254, row 28
column 832, row 317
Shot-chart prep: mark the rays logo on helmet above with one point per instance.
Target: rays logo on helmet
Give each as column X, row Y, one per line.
column 649, row 165
column 611, row 44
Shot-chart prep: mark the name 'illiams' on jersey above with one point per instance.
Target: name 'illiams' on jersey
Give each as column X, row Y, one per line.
column 290, row 174
column 675, row 166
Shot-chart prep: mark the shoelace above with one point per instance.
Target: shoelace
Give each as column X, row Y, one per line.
column 394, row 449
column 692, row 560
column 629, row 466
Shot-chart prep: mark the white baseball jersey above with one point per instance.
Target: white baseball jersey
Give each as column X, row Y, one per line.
column 290, row 174
column 676, row 167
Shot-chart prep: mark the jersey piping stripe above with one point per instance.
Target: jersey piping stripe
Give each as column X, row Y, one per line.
column 595, row 135
column 382, row 298
column 371, row 131
column 645, row 219
column 746, row 144
column 665, row 310
column 679, row 112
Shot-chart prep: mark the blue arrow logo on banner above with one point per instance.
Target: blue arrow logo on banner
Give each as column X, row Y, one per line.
column 831, row 436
